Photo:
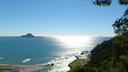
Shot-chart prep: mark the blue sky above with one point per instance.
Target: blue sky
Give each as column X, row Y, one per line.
column 57, row 17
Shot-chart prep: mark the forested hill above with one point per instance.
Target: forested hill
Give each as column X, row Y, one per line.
column 109, row 56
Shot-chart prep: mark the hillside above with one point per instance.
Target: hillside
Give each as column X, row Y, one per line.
column 109, row 56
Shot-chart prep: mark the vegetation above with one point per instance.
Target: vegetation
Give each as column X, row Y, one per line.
column 108, row 2
column 77, row 64
column 121, row 25
column 112, row 55
column 109, row 56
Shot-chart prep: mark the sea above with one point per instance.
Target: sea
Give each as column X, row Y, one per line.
column 59, row 51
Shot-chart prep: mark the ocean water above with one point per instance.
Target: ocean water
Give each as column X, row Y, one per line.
column 57, row 50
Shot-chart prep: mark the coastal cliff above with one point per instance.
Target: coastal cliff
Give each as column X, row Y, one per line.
column 109, row 56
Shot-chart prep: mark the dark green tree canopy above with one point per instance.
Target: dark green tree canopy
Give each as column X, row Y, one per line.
column 108, row 2
column 121, row 25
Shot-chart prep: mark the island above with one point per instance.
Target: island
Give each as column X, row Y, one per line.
column 28, row 35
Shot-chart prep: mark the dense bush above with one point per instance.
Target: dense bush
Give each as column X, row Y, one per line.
column 109, row 56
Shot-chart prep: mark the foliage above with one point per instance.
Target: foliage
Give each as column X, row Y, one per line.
column 121, row 25
column 77, row 62
column 112, row 55
column 83, row 69
column 108, row 2
column 109, row 56
column 102, row 2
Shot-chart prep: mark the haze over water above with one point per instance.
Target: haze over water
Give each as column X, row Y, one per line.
column 59, row 50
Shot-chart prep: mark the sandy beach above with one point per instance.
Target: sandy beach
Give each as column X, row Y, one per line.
column 21, row 68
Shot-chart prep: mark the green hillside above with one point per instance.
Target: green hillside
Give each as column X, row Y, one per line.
column 109, row 56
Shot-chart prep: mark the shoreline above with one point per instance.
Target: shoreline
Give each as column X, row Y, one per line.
column 22, row 68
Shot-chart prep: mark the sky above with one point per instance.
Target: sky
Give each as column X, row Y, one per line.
column 57, row 17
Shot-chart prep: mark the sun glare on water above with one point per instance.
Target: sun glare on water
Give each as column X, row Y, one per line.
column 73, row 41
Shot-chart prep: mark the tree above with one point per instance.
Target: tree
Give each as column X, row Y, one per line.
column 108, row 2
column 121, row 25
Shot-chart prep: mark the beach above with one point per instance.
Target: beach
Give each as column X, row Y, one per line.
column 21, row 68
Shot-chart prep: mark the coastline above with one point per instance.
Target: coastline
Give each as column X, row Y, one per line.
column 22, row 68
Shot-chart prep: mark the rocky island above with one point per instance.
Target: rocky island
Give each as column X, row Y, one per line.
column 28, row 35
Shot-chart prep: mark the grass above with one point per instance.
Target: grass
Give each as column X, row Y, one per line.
column 77, row 63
